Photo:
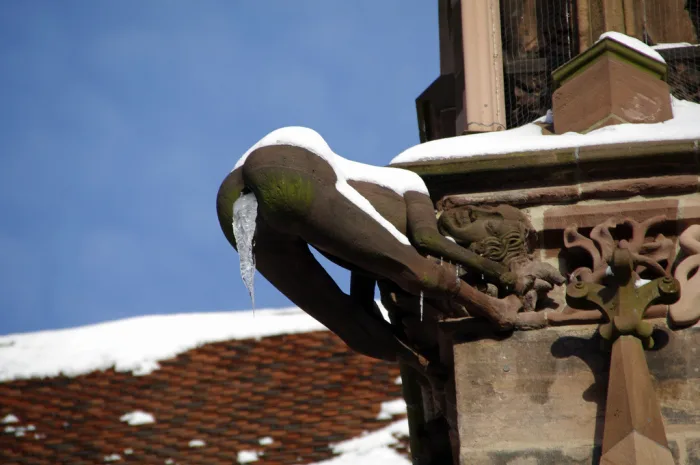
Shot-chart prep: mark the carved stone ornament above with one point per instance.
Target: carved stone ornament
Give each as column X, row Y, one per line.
column 653, row 257
column 379, row 223
column 624, row 302
column 503, row 234
column 687, row 310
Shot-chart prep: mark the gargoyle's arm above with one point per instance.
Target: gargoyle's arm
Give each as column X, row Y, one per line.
column 423, row 232
column 229, row 191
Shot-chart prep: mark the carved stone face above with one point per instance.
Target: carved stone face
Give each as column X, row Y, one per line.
column 500, row 233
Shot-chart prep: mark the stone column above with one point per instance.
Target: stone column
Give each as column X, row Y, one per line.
column 484, row 106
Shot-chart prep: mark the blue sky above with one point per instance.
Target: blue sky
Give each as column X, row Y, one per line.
column 118, row 121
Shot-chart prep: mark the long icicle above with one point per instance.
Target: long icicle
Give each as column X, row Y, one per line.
column 245, row 212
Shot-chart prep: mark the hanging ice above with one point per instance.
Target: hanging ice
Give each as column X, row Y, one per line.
column 421, row 305
column 245, row 211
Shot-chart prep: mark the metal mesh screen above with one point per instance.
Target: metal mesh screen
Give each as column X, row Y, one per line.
column 540, row 35
column 671, row 27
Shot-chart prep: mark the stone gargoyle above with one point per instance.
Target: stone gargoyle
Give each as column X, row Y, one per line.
column 503, row 234
column 379, row 223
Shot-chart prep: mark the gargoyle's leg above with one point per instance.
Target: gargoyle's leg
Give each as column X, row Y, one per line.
column 289, row 265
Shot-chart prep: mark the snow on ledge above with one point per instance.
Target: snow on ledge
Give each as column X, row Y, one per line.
column 137, row 344
column 672, row 45
column 632, row 43
column 528, row 138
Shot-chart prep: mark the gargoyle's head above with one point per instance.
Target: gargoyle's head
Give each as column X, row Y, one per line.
column 499, row 233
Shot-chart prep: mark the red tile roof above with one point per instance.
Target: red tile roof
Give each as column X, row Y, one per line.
column 305, row 391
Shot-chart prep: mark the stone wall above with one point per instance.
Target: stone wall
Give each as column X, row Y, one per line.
column 538, row 397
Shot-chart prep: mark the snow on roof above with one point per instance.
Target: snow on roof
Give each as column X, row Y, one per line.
column 197, row 443
column 247, row 456
column 632, row 43
column 137, row 418
column 529, row 138
column 372, row 448
column 392, row 408
column 137, row 344
column 9, row 418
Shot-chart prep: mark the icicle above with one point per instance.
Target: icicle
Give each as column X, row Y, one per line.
column 421, row 305
column 245, row 211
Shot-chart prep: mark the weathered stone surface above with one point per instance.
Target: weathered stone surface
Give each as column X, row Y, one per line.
column 688, row 211
column 583, row 455
column 692, row 447
column 676, row 372
column 556, row 167
column 610, row 189
column 588, row 216
column 610, row 91
column 675, row 451
column 518, row 197
column 533, row 378
column 620, row 188
column 637, row 449
column 633, row 418
column 539, row 397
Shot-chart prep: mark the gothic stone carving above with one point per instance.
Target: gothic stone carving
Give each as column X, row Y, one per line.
column 687, row 310
column 624, row 301
column 300, row 204
column 503, row 234
column 653, row 256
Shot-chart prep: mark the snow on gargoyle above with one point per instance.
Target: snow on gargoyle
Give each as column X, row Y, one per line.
column 377, row 222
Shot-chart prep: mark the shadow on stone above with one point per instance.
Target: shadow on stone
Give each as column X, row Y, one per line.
column 661, row 338
column 589, row 351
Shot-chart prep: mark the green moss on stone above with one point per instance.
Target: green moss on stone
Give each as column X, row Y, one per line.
column 284, row 192
column 429, row 281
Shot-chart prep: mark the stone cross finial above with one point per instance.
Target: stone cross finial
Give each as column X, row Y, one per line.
column 634, row 431
column 624, row 303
